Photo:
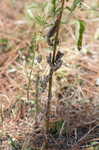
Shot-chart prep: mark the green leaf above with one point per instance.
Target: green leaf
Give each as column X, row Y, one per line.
column 40, row 20
column 33, row 5
column 30, row 14
column 54, row 2
column 68, row 8
column 79, row 33
column 75, row 4
column 12, row 142
column 3, row 41
column 32, row 9
column 54, row 6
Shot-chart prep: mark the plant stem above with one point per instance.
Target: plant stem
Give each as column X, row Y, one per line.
column 51, row 73
column 49, row 100
column 37, row 96
column 57, row 33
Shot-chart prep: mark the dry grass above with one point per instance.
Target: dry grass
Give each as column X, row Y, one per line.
column 75, row 86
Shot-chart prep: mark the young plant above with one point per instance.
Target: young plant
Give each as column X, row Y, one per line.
column 54, row 60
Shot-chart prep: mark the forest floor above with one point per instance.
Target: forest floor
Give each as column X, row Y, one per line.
column 75, row 100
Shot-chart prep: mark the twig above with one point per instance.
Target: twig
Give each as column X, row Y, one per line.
column 84, row 137
column 37, row 95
